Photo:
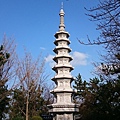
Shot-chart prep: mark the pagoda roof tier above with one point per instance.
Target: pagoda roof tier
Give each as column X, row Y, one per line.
column 62, row 56
column 61, row 91
column 65, row 108
column 61, row 32
column 62, row 77
column 55, row 91
column 61, row 47
column 61, row 39
column 62, row 66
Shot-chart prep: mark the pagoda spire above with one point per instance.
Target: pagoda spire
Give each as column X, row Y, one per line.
column 62, row 26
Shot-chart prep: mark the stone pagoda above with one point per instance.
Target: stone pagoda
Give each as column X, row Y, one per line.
column 63, row 108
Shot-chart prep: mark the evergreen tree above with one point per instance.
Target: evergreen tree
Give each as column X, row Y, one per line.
column 17, row 108
column 100, row 99
column 18, row 103
column 80, row 87
column 4, row 98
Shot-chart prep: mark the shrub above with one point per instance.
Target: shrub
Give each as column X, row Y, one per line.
column 18, row 118
column 36, row 118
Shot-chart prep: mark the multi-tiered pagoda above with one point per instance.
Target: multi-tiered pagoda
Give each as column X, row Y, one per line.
column 63, row 108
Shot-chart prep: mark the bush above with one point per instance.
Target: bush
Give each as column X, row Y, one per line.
column 18, row 118
column 36, row 118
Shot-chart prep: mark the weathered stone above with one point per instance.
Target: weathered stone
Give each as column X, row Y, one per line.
column 63, row 108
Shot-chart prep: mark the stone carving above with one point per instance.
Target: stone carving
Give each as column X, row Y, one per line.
column 67, row 84
column 61, row 98
column 60, row 117
column 68, row 117
column 65, row 61
column 67, row 98
column 61, row 71
column 61, row 84
column 66, row 71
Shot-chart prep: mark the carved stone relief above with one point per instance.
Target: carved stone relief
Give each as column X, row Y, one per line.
column 67, row 117
column 60, row 117
column 67, row 84
column 61, row 83
column 61, row 98
column 67, row 98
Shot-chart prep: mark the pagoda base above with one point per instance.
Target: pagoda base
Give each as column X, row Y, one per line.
column 63, row 112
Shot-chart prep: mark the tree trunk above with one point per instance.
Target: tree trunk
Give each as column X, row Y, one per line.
column 27, row 103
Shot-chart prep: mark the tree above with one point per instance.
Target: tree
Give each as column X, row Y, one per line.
column 100, row 99
column 101, row 96
column 36, row 118
column 7, row 67
column 28, row 97
column 80, row 87
column 107, row 16
column 37, row 103
column 18, row 104
column 7, row 73
column 4, row 102
column 17, row 109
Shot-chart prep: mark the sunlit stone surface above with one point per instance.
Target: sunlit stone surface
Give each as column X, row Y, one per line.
column 63, row 108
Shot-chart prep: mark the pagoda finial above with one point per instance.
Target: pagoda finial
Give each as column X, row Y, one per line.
column 61, row 5
column 61, row 26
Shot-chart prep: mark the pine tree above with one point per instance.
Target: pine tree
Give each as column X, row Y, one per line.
column 18, row 103
column 99, row 99
column 4, row 101
column 80, row 87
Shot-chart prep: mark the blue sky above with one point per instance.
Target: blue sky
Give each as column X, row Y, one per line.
column 33, row 23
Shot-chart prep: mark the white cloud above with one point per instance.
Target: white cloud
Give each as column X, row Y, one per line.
column 79, row 59
column 42, row 48
column 49, row 59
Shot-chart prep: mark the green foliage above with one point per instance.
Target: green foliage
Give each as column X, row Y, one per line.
column 80, row 86
column 100, row 99
column 4, row 99
column 36, row 118
column 18, row 118
column 18, row 104
column 3, row 56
